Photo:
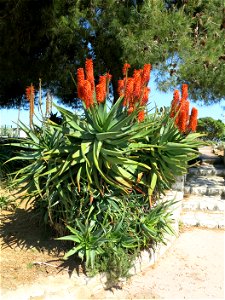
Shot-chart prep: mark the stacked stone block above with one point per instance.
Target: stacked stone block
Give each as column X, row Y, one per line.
column 204, row 194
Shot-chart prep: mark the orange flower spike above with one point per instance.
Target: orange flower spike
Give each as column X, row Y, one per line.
column 32, row 89
column 89, row 69
column 193, row 122
column 145, row 97
column 184, row 91
column 187, row 108
column 182, row 121
column 176, row 97
column 125, row 69
column 121, row 87
column 101, row 89
column 87, row 94
column 146, row 73
column 129, row 88
column 175, row 103
column 128, row 98
column 100, row 93
column 80, row 75
column 30, row 98
column 80, row 90
column 182, row 104
column 141, row 116
column 30, row 92
column 137, row 84
column 80, row 82
column 102, row 79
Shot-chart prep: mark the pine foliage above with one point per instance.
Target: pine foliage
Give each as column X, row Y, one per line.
column 182, row 39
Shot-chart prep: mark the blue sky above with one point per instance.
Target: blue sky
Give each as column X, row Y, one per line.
column 9, row 116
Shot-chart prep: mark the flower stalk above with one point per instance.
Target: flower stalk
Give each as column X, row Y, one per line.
column 30, row 93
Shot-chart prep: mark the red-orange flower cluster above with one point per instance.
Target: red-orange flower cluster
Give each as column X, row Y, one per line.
column 86, row 85
column 134, row 89
column 180, row 111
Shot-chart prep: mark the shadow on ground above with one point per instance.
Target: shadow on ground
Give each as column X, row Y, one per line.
column 22, row 229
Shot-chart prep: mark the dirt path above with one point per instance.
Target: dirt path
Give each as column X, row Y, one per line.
column 193, row 268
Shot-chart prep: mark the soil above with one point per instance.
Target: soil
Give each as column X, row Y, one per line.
column 28, row 249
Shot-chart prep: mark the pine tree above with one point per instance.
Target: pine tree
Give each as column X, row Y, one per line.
column 50, row 39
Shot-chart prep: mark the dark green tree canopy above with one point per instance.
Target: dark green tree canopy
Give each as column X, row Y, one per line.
column 49, row 39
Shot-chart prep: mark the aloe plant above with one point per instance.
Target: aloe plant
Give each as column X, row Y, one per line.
column 98, row 175
column 106, row 149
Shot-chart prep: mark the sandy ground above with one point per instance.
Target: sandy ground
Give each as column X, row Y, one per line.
column 193, row 268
